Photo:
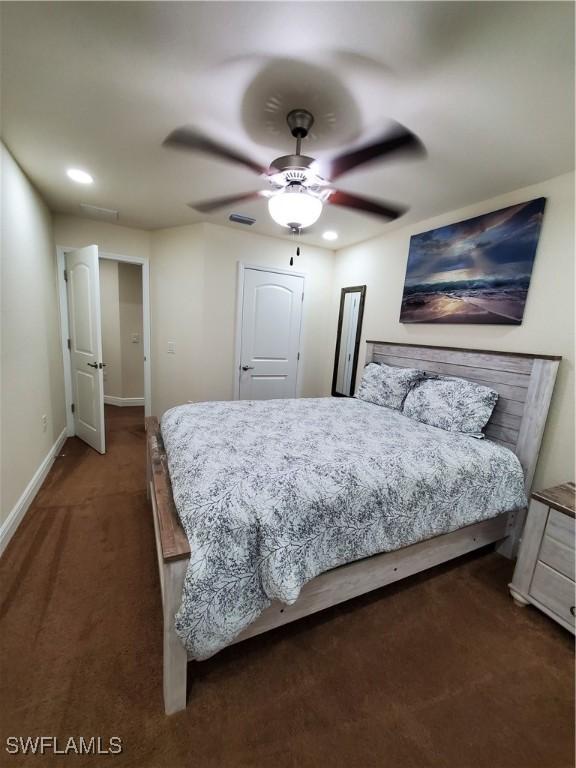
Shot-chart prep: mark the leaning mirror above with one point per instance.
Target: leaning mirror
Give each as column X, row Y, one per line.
column 348, row 340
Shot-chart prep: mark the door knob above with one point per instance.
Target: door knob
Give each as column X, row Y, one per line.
column 92, row 365
column 247, row 367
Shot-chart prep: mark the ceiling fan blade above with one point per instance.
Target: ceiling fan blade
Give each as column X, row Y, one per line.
column 207, row 206
column 397, row 140
column 190, row 139
column 384, row 210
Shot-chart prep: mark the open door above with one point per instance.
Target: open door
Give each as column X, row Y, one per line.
column 83, row 288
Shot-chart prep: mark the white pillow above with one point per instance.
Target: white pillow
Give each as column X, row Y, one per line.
column 456, row 405
column 385, row 385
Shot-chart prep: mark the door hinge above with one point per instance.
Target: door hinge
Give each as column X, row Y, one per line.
column 72, row 408
column 66, row 275
column 298, row 356
column 302, row 295
column 69, row 344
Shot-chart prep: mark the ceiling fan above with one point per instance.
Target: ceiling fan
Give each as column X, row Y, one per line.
column 300, row 185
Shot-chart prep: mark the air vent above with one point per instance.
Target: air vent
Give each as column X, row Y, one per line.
column 94, row 212
column 238, row 218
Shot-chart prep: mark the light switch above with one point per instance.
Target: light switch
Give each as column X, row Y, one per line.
column 135, row 338
column 171, row 347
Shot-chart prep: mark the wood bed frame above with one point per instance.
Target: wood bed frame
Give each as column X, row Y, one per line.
column 524, row 383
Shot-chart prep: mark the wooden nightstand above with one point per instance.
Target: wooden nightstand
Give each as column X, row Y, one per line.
column 544, row 573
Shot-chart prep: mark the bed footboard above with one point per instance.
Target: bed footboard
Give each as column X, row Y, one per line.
column 173, row 553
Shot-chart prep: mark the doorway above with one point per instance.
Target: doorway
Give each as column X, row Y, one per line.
column 122, row 327
column 105, row 328
column 268, row 332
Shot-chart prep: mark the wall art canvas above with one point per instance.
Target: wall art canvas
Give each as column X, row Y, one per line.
column 475, row 271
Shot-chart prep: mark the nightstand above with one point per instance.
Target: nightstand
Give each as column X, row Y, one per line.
column 544, row 573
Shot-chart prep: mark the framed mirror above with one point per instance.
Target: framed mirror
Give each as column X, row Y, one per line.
column 348, row 340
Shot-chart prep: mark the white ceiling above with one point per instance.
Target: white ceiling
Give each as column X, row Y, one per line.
column 488, row 87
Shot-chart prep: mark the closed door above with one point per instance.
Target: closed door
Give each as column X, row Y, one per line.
column 83, row 288
column 270, row 334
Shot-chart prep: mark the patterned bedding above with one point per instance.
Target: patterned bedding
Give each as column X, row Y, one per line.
column 271, row 493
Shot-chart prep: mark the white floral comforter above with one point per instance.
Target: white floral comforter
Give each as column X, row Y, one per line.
column 272, row 493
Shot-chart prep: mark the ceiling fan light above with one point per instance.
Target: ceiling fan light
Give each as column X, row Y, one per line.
column 295, row 207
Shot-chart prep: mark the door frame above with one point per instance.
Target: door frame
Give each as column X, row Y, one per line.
column 143, row 261
column 241, row 268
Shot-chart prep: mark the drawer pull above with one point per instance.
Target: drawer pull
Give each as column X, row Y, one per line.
column 573, row 610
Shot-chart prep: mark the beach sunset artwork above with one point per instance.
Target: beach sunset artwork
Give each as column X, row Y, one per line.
column 475, row 271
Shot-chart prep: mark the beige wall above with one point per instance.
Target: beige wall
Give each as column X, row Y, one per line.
column 130, row 310
column 548, row 325
column 121, row 313
column 32, row 379
column 177, row 303
column 193, row 283
column 111, row 238
column 110, row 322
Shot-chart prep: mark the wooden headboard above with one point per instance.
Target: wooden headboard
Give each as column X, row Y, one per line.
column 524, row 384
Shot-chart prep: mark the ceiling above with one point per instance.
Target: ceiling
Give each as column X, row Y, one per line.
column 488, row 87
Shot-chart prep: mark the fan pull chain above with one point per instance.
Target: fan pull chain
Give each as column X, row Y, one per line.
column 294, row 233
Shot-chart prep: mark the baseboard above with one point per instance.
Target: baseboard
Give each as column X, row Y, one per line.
column 123, row 401
column 9, row 526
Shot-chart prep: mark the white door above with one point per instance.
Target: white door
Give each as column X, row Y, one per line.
column 270, row 334
column 83, row 287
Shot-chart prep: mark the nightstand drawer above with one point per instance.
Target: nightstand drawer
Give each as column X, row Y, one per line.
column 561, row 528
column 554, row 591
column 558, row 555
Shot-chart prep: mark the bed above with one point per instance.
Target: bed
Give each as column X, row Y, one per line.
column 292, row 506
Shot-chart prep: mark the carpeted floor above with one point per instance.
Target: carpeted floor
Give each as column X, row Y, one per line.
column 439, row 670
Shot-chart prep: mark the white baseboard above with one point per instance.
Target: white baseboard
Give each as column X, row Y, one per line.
column 9, row 526
column 123, row 401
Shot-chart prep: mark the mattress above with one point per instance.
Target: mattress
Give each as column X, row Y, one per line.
column 271, row 493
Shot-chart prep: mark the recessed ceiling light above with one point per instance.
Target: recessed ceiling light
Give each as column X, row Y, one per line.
column 81, row 177
column 330, row 235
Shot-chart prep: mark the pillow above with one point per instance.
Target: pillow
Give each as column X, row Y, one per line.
column 384, row 385
column 453, row 404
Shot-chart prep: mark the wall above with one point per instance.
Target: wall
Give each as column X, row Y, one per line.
column 130, row 310
column 548, row 325
column 32, row 381
column 177, row 302
column 110, row 321
column 121, row 313
column 75, row 232
column 193, row 279
column 193, row 301
column 225, row 247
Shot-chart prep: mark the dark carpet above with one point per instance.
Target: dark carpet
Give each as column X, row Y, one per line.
column 439, row 670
